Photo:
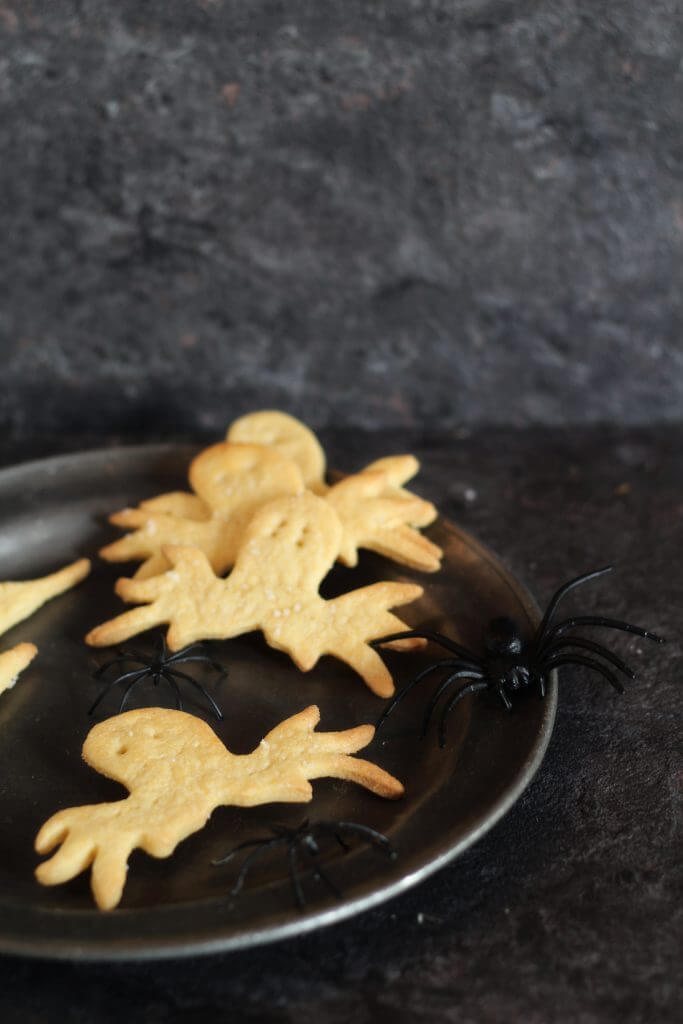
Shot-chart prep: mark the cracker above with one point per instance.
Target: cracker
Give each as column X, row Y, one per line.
column 13, row 662
column 18, row 600
column 376, row 512
column 397, row 469
column 179, row 504
column 178, row 771
column 290, row 436
column 288, row 548
column 230, row 481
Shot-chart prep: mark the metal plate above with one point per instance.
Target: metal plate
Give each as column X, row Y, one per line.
column 54, row 511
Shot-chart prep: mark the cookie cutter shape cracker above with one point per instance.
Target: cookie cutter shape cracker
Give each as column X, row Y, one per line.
column 20, row 599
column 231, row 481
column 178, row 772
column 288, row 548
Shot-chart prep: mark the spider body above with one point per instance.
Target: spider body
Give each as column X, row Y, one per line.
column 303, row 846
column 510, row 663
column 159, row 667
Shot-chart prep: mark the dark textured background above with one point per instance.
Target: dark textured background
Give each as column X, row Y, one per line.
column 428, row 217
column 370, row 213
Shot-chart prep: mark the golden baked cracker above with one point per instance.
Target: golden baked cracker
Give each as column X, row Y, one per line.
column 18, row 600
column 284, row 432
column 380, row 516
column 177, row 503
column 287, row 434
column 13, row 662
column 288, row 548
column 397, row 469
column 231, row 481
column 178, row 772
column 385, row 525
column 234, row 479
column 375, row 512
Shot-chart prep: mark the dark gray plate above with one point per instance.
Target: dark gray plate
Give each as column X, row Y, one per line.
column 54, row 511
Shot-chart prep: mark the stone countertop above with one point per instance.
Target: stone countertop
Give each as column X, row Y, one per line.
column 570, row 908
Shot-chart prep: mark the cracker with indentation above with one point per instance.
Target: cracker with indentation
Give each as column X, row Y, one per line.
column 178, row 771
column 288, row 548
column 376, row 512
column 230, row 482
column 288, row 435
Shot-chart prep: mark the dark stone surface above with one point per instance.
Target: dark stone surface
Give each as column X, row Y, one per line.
column 570, row 909
column 389, row 213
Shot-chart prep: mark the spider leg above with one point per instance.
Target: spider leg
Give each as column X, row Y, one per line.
column 128, row 675
column 321, row 876
column 507, row 703
column 329, row 828
column 462, row 692
column 441, row 688
column 579, row 659
column 186, row 654
column 199, row 646
column 308, row 843
column 138, row 674
column 598, row 620
column 588, row 645
column 445, row 663
column 133, row 683
column 560, row 593
column 367, row 834
column 437, row 638
column 198, row 686
column 116, row 661
column 199, row 658
column 292, row 859
column 169, row 679
column 285, row 832
column 248, row 861
column 243, row 846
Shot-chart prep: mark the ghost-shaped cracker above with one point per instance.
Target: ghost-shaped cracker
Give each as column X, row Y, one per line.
column 178, row 772
column 288, row 548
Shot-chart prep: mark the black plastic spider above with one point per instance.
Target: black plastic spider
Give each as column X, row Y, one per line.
column 160, row 666
column 510, row 663
column 304, row 840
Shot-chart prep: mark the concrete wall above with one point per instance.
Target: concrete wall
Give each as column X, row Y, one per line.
column 369, row 213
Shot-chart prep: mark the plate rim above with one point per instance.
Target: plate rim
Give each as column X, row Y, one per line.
column 105, row 950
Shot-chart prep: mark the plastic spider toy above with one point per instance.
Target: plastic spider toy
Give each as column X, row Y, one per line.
column 304, row 841
column 510, row 663
column 158, row 667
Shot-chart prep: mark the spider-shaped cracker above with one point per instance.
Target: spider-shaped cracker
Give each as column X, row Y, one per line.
column 288, row 549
